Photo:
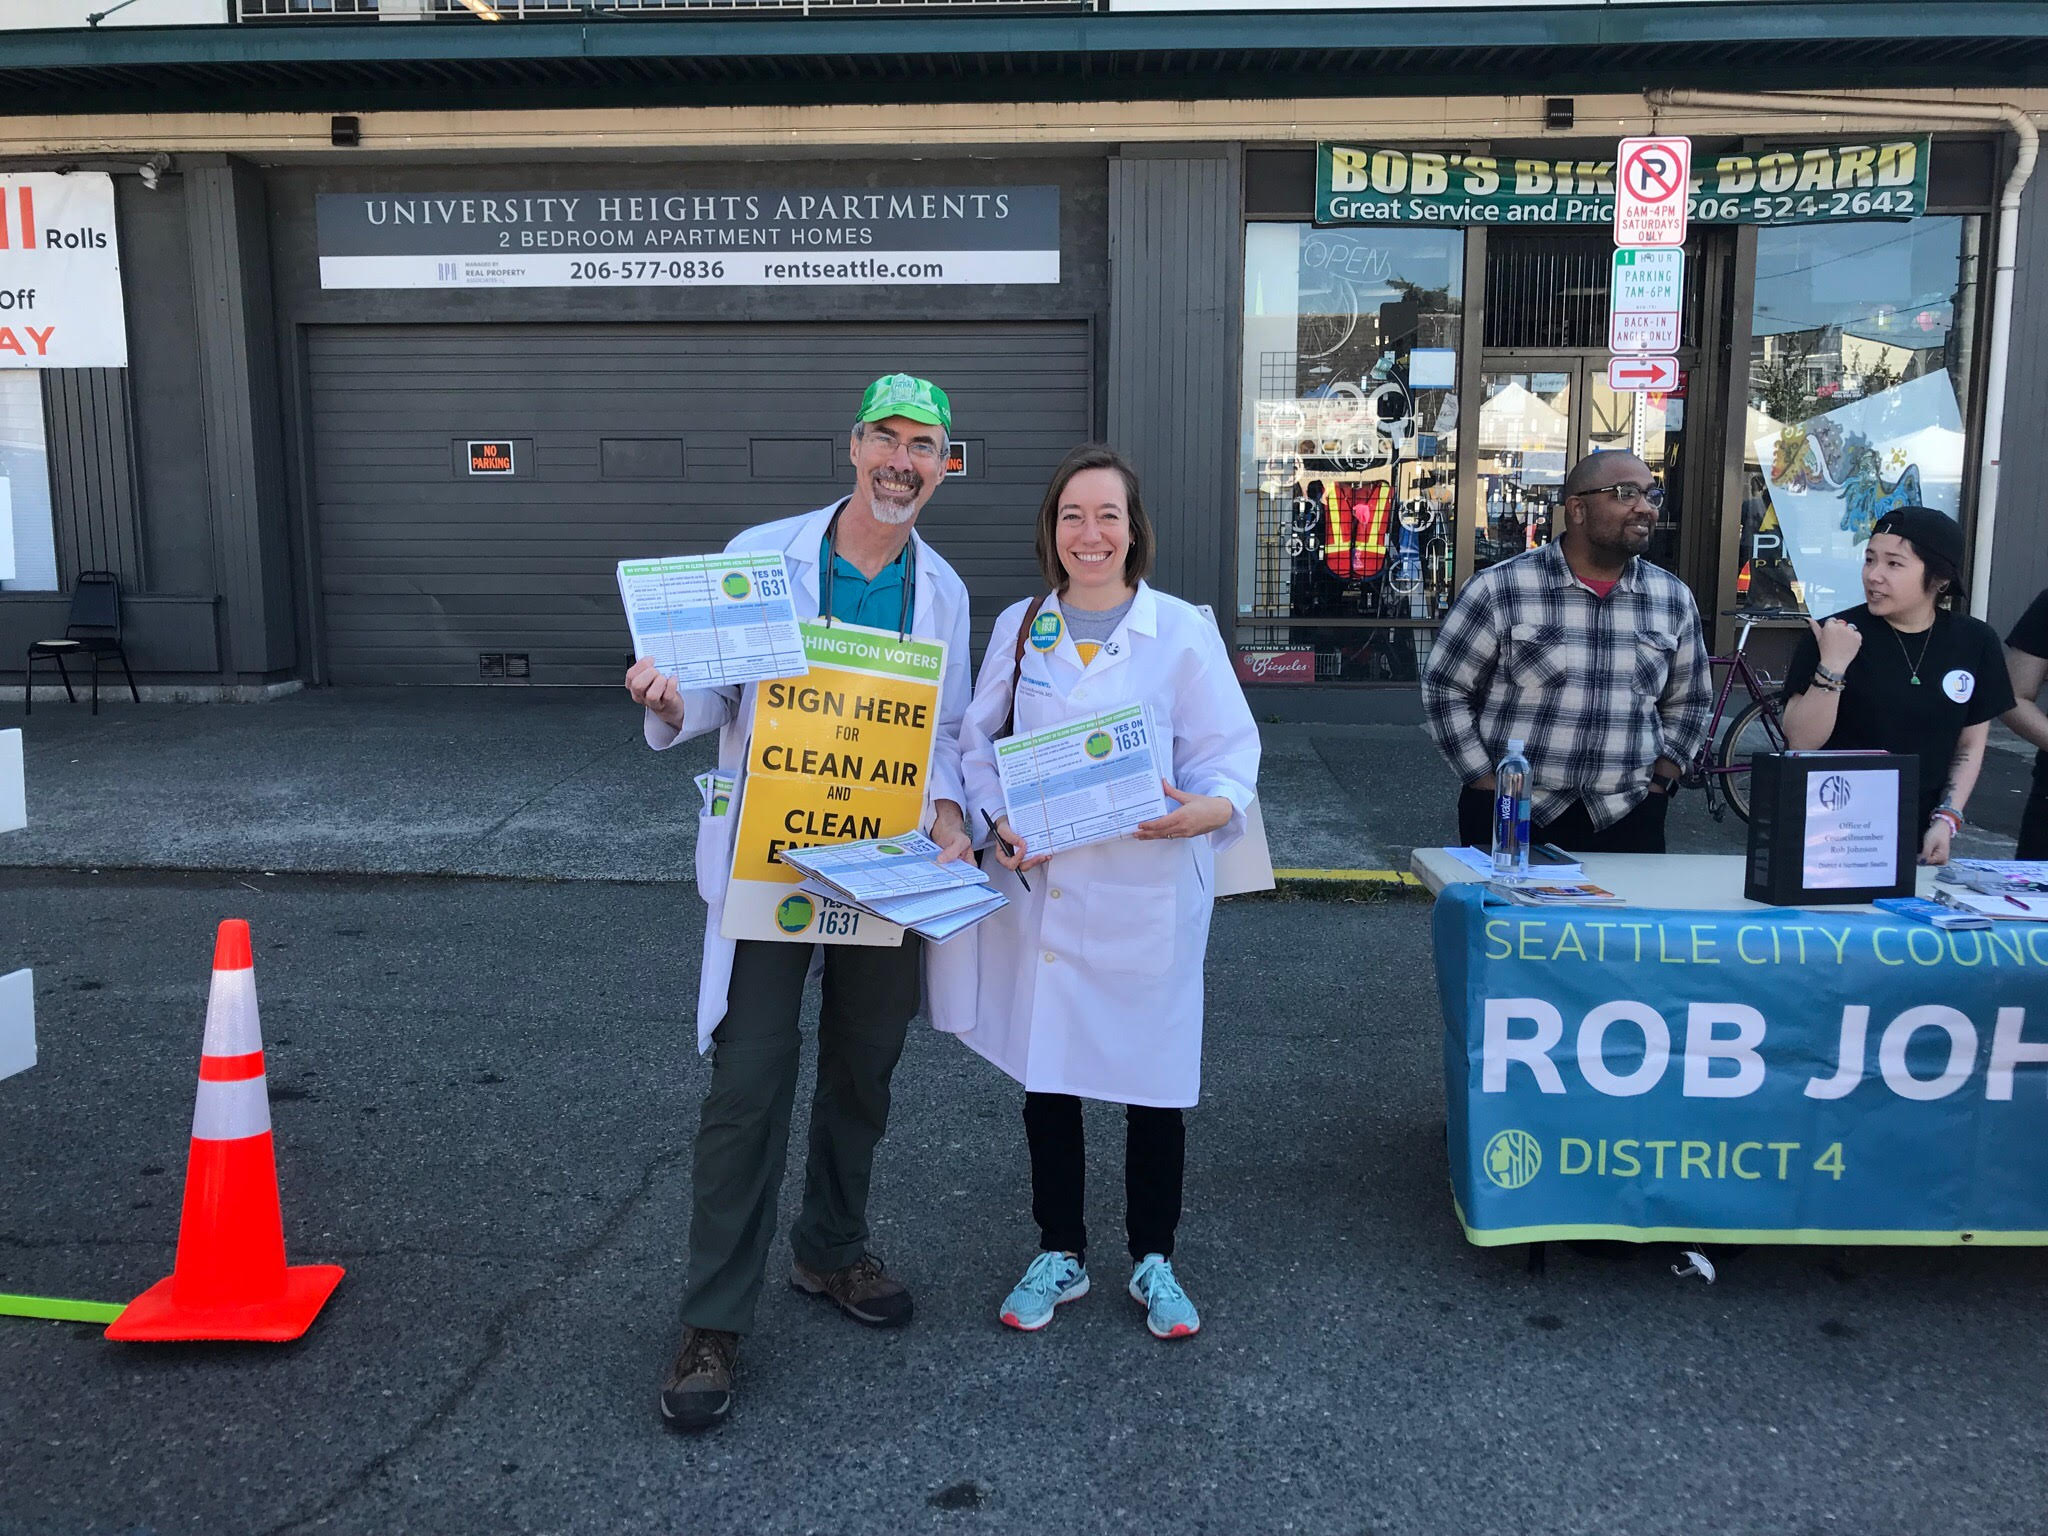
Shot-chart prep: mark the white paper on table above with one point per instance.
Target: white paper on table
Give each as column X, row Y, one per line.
column 2015, row 907
column 711, row 619
column 17, row 1022
column 1852, row 829
column 1082, row 781
column 13, row 797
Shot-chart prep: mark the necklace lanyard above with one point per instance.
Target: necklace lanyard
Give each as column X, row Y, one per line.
column 907, row 559
column 1914, row 666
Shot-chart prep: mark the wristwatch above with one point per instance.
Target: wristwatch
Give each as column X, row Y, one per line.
column 1668, row 788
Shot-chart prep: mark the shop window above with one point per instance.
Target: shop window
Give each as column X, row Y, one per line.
column 28, row 542
column 1548, row 289
column 1859, row 373
column 1350, row 421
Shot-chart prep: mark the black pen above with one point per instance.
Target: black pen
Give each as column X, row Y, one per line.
column 1004, row 844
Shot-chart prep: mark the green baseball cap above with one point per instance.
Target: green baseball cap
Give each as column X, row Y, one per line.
column 898, row 394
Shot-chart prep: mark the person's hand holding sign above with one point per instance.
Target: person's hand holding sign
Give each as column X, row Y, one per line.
column 654, row 692
column 1192, row 815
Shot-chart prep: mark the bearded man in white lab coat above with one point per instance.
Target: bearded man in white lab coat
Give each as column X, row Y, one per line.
column 861, row 558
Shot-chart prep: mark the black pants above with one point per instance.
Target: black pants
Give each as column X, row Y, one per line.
column 2034, row 825
column 1640, row 831
column 1155, row 1153
column 743, row 1128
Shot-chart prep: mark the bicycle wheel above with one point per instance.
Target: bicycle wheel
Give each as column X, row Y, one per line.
column 1747, row 734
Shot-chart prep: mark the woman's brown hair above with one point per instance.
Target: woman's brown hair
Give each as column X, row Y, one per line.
column 1137, row 559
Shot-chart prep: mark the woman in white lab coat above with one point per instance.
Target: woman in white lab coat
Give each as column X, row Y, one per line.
column 1090, row 982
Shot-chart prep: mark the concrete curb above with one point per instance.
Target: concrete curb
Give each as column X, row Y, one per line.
column 1347, row 885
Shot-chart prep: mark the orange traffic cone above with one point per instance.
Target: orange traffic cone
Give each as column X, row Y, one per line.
column 231, row 1281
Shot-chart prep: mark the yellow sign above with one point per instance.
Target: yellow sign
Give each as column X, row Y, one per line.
column 838, row 755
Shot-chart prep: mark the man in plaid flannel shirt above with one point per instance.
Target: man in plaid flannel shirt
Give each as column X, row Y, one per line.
column 1588, row 654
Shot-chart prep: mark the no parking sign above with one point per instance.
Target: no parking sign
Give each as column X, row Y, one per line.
column 1652, row 185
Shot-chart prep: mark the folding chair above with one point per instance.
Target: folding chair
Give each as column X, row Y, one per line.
column 94, row 628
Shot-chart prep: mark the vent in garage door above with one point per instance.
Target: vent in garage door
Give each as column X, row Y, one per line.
column 636, row 440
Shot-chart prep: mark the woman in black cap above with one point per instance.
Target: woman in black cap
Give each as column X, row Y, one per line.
column 1901, row 673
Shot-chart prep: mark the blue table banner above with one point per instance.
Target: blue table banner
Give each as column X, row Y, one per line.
column 1761, row 1076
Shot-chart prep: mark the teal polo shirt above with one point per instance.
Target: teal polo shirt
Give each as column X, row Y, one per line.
column 879, row 602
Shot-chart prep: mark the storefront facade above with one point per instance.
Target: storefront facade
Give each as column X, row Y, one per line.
column 394, row 407
column 1414, row 390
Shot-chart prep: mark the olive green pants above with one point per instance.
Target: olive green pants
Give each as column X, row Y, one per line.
column 743, row 1131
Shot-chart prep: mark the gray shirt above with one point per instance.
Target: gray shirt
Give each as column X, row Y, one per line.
column 1090, row 627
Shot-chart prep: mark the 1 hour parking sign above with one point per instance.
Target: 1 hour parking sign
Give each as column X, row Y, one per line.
column 1652, row 183
column 1645, row 300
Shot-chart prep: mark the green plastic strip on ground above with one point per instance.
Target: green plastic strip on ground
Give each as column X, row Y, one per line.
column 58, row 1309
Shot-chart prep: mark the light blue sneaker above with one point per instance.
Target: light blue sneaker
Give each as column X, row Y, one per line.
column 1051, row 1279
column 1168, row 1312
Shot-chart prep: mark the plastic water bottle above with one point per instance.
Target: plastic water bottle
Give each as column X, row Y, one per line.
column 1511, row 812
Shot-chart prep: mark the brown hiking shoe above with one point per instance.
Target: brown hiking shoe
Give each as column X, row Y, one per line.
column 699, row 1387
column 863, row 1290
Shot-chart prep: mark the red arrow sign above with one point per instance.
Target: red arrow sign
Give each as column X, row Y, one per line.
column 1627, row 375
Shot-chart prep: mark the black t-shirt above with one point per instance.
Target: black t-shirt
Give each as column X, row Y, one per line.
column 1963, row 682
column 2031, row 635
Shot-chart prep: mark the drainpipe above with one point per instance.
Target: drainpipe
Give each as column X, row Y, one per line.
column 2002, row 278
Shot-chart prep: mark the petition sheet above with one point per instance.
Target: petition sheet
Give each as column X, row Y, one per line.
column 711, row 619
column 1084, row 781
column 885, row 868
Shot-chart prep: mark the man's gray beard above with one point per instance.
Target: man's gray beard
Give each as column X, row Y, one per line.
column 893, row 516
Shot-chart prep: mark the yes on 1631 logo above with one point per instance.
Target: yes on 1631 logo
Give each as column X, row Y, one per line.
column 735, row 585
column 1045, row 631
column 1097, row 744
column 794, row 913
column 1512, row 1158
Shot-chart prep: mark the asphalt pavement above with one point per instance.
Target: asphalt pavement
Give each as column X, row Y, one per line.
column 483, row 1093
column 477, row 951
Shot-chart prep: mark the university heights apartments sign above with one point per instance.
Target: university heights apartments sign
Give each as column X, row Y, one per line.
column 866, row 236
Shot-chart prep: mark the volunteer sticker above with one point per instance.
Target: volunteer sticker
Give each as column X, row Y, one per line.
column 1959, row 685
column 1045, row 632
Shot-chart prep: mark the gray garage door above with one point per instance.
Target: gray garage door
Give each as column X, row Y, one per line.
column 634, row 440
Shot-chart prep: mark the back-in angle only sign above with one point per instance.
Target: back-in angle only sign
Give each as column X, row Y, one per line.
column 1645, row 298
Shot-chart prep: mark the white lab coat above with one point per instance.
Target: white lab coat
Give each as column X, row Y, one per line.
column 938, row 612
column 1090, row 983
